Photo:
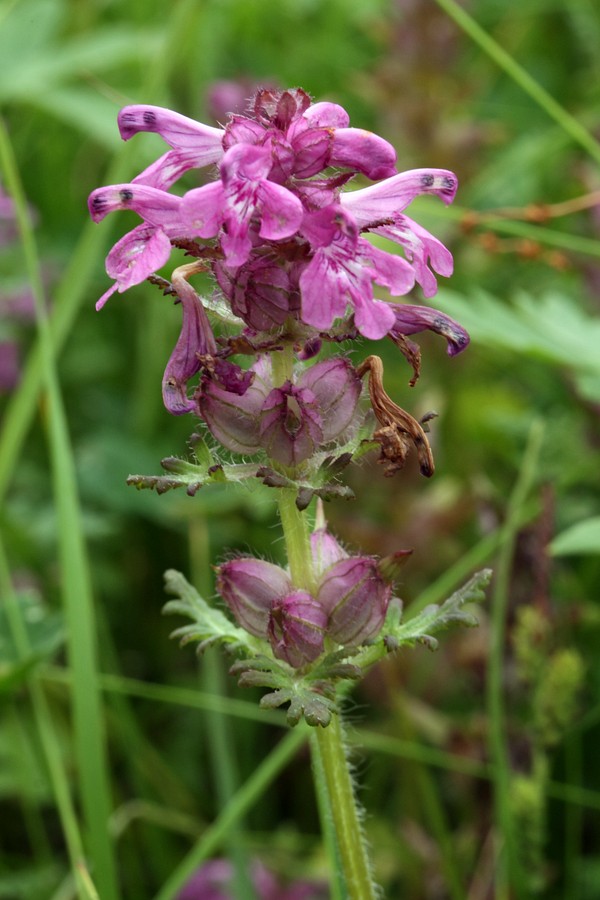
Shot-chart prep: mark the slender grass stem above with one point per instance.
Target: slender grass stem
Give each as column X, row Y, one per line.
column 76, row 581
column 244, row 799
column 509, row 868
column 570, row 125
column 84, row 260
column 220, row 735
column 48, row 739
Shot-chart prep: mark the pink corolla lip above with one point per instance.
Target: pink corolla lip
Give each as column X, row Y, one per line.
column 424, row 251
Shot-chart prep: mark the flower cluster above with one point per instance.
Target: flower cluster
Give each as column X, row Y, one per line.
column 283, row 236
column 247, row 412
column 348, row 604
column 283, row 239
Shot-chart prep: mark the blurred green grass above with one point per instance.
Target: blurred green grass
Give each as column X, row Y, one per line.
column 71, row 529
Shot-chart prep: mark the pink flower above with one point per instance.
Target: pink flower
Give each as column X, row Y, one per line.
column 244, row 194
column 342, row 271
column 285, row 238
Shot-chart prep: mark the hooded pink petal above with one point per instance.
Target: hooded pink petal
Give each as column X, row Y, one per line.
column 281, row 212
column 177, row 130
column 326, row 115
column 363, row 151
column 373, row 205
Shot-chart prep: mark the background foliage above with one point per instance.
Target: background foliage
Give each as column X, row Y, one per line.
column 488, row 745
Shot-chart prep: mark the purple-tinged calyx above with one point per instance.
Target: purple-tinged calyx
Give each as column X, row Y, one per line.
column 250, row 587
column 356, row 597
column 337, row 389
column 259, row 292
column 290, row 427
column 296, row 630
column 230, row 401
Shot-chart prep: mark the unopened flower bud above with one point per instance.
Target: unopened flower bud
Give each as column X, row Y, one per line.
column 250, row 587
column 325, row 550
column 296, row 628
column 356, row 598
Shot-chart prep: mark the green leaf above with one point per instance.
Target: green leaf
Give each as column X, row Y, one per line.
column 421, row 628
column 552, row 328
column 210, row 626
column 583, row 537
column 193, row 476
column 45, row 635
column 27, row 78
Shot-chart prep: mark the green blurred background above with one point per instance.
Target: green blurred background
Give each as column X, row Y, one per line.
column 488, row 743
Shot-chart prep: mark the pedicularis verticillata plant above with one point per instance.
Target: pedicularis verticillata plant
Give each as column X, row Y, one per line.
column 282, row 235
